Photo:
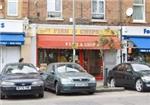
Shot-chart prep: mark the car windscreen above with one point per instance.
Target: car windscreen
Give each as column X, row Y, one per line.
column 140, row 67
column 20, row 69
column 62, row 68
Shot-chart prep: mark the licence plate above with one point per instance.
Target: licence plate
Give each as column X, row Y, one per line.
column 23, row 88
column 81, row 84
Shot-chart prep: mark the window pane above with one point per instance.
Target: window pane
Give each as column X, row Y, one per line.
column 57, row 5
column 50, row 5
column 98, row 9
column 138, row 13
column 94, row 6
column 53, row 8
column 98, row 16
column 12, row 8
column 139, row 1
column 54, row 14
column 101, row 6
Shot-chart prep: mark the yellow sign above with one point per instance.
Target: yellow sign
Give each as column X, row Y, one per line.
column 60, row 31
column 75, row 46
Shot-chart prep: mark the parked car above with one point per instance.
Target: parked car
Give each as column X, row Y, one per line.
column 130, row 75
column 68, row 77
column 21, row 79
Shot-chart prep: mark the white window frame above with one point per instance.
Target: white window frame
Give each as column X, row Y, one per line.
column 97, row 11
column 55, row 18
column 16, row 9
column 142, row 20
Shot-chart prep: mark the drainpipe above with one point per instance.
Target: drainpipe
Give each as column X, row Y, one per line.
column 1, row 57
column 74, row 33
column 120, row 23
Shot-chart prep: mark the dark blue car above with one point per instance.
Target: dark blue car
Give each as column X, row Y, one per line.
column 20, row 79
column 130, row 75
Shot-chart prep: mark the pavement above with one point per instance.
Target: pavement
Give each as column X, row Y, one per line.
column 101, row 88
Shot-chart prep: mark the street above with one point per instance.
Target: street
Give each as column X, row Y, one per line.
column 127, row 97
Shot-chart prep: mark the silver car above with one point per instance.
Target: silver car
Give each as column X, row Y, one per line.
column 68, row 78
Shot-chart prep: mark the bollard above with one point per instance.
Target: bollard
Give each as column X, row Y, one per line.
column 105, row 77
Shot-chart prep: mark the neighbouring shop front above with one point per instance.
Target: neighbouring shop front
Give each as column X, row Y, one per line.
column 11, row 40
column 56, row 46
column 137, row 41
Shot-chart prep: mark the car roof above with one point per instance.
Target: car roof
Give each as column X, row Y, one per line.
column 55, row 63
column 19, row 64
column 136, row 63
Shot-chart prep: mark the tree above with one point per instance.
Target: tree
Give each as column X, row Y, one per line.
column 106, row 41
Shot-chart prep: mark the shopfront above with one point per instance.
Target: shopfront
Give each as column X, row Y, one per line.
column 55, row 45
column 138, row 43
column 11, row 40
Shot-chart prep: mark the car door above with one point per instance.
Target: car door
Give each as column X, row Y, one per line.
column 128, row 77
column 50, row 79
column 119, row 75
column 116, row 73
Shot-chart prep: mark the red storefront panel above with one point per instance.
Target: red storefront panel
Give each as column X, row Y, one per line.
column 65, row 42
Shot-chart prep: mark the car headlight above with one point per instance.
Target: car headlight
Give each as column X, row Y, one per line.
column 93, row 80
column 146, row 79
column 66, row 81
column 7, row 83
column 38, row 83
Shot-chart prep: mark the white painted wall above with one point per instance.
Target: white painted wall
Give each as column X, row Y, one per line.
column 9, row 55
column 110, row 59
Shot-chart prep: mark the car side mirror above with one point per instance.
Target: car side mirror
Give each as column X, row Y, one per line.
column 52, row 72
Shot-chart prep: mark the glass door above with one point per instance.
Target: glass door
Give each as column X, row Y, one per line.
column 93, row 62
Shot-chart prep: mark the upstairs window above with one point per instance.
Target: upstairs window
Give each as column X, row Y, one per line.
column 139, row 10
column 54, row 8
column 12, row 8
column 98, row 9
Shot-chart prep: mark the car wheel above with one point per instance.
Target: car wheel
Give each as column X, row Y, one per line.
column 41, row 95
column 112, row 83
column 2, row 96
column 139, row 85
column 90, row 93
column 57, row 88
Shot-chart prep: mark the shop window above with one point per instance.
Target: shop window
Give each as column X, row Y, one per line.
column 12, row 8
column 92, row 62
column 139, row 11
column 98, row 9
column 54, row 9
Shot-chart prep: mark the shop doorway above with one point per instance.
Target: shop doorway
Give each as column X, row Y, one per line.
column 93, row 63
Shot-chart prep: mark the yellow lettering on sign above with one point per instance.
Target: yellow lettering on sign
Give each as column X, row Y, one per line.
column 59, row 31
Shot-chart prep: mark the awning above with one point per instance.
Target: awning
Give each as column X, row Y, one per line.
column 141, row 42
column 65, row 42
column 11, row 38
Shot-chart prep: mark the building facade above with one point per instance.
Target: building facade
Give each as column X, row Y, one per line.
column 49, row 33
column 12, row 30
column 54, row 33
column 137, row 42
column 54, row 24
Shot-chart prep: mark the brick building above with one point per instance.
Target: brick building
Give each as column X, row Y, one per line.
column 12, row 30
column 48, row 35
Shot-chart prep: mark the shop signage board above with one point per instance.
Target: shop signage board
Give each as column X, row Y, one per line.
column 136, row 31
column 11, row 25
column 62, row 31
